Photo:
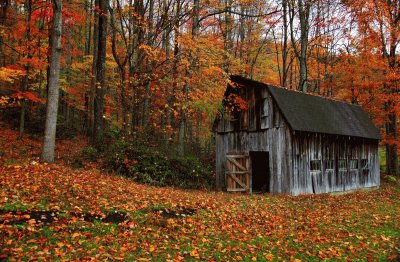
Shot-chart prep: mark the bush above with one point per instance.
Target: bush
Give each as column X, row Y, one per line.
column 154, row 167
column 89, row 153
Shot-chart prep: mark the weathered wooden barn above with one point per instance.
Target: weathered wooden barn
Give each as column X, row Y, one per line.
column 281, row 141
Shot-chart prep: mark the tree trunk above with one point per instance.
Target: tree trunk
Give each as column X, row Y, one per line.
column 285, row 50
column 304, row 14
column 183, row 114
column 94, row 72
column 53, row 85
column 392, row 160
column 147, row 97
column 303, row 9
column 25, row 81
column 98, row 123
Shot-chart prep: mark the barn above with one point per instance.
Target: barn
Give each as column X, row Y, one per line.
column 276, row 140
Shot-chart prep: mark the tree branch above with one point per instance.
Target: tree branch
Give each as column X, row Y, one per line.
column 227, row 10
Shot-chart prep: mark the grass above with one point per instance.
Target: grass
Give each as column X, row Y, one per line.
column 224, row 227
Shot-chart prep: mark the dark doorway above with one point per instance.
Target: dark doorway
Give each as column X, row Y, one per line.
column 260, row 171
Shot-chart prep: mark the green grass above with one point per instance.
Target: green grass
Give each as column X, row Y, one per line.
column 226, row 227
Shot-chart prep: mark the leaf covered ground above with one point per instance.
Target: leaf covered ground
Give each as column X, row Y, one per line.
column 58, row 212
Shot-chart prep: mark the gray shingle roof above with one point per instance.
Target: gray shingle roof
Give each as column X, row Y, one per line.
column 310, row 113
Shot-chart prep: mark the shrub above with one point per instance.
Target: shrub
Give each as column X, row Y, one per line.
column 89, row 153
column 154, row 167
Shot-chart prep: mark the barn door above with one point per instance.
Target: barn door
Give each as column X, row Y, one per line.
column 238, row 175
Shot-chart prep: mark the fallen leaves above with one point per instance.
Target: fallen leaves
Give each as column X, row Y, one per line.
column 173, row 224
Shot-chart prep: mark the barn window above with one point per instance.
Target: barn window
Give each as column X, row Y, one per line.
column 364, row 166
column 353, row 163
column 315, row 165
column 342, row 164
column 329, row 164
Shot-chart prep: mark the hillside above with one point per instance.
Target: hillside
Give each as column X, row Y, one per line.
column 59, row 212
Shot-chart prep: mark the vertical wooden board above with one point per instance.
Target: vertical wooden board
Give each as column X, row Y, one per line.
column 296, row 158
column 272, row 162
column 220, row 161
column 249, row 175
column 278, row 152
column 252, row 126
column 266, row 114
column 289, row 161
column 228, row 179
column 374, row 162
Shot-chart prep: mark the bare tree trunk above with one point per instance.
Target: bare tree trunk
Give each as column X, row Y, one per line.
column 53, row 92
column 98, row 122
column 392, row 160
column 303, row 8
column 88, row 8
column 94, row 71
column 25, row 81
column 285, row 50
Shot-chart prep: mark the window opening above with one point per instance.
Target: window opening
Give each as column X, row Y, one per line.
column 315, row 165
column 329, row 164
column 342, row 164
column 353, row 163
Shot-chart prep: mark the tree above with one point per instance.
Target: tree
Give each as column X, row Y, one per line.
column 303, row 9
column 53, row 84
column 379, row 26
column 98, row 123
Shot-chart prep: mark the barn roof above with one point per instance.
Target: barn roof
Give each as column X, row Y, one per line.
column 310, row 113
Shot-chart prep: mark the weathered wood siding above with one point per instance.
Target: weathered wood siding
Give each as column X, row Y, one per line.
column 346, row 163
column 269, row 133
column 339, row 163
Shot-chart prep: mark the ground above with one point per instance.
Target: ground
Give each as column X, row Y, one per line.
column 60, row 212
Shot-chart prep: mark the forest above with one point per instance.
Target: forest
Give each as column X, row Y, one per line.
column 158, row 69
column 106, row 114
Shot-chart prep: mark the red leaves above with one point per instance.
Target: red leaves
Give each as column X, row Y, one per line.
column 224, row 226
column 29, row 96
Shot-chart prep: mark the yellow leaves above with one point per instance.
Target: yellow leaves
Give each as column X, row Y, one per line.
column 10, row 75
column 4, row 100
column 194, row 253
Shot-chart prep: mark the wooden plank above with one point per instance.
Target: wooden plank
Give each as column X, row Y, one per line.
column 237, row 180
column 236, row 163
column 235, row 156
column 238, row 172
column 236, row 190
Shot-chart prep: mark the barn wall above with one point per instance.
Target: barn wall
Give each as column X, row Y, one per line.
column 345, row 163
column 269, row 133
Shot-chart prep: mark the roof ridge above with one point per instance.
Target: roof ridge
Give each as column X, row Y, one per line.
column 314, row 94
column 297, row 91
